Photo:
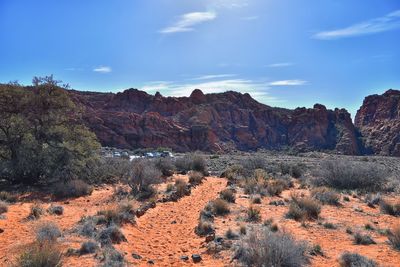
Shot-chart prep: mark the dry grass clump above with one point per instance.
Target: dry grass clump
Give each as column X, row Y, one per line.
column 394, row 237
column 47, row 232
column 253, row 214
column 72, row 188
column 233, row 173
column 253, row 186
column 55, row 210
column 228, row 195
column 326, row 196
column 3, row 207
column 218, row 207
column 348, row 175
column 230, row 234
column 294, row 170
column 119, row 215
column 261, row 247
column 252, row 163
column 302, row 208
column 204, row 228
column 36, row 211
column 7, row 197
column 88, row 247
column 40, row 255
column 348, row 259
column 363, row 239
column 181, row 187
column 275, row 187
column 111, row 235
column 196, row 178
column 390, row 208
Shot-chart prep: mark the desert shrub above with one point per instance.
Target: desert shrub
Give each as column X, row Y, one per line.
column 206, row 215
column 218, row 207
column 113, row 258
column 363, row 239
column 47, row 232
column 36, row 211
column 390, row 208
column 329, row 225
column 256, row 199
column 326, row 196
column 230, row 234
column 275, row 187
column 191, row 162
column 57, row 210
column 243, row 229
column 165, row 165
column 252, row 186
column 348, row 259
column 204, row 228
column 72, row 188
column 88, row 247
column 195, row 178
column 122, row 213
column 316, row 250
column 108, row 170
column 252, row 163
column 3, row 207
column 170, row 188
column 294, row 170
column 373, row 199
column 40, row 255
column 253, row 214
column 347, row 175
column 144, row 175
column 234, row 172
column 368, row 226
column 228, row 195
column 181, row 187
column 261, row 248
column 302, row 208
column 7, row 197
column 111, row 235
column 394, row 237
column 274, row 227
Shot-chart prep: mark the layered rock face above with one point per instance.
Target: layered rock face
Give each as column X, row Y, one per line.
column 212, row 122
column 378, row 120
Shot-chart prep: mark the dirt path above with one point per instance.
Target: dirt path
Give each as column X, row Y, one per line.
column 166, row 233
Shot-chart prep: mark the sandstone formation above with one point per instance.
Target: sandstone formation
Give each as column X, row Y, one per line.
column 213, row 122
column 378, row 120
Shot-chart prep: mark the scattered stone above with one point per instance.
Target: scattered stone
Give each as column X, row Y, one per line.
column 277, row 203
column 136, row 256
column 173, row 222
column 3, row 217
column 1, row 231
column 196, row 258
column 185, row 258
column 151, row 262
column 210, row 237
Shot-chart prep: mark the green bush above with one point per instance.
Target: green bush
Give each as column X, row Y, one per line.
column 44, row 137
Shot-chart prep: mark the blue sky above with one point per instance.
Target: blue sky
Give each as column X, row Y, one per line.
column 284, row 53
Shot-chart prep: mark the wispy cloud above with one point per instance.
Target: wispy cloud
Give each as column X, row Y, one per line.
column 382, row 24
column 74, row 69
column 250, row 18
column 228, row 3
column 280, row 65
column 288, row 83
column 257, row 89
column 213, row 76
column 102, row 69
column 187, row 22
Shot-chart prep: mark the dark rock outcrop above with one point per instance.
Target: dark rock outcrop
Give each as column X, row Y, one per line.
column 378, row 121
column 213, row 122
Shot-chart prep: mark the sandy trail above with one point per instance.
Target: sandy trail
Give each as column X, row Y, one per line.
column 166, row 233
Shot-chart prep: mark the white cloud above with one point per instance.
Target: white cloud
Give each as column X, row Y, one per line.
column 250, row 18
column 280, row 65
column 213, row 76
column 187, row 22
column 287, row 83
column 102, row 69
column 388, row 22
column 228, row 3
column 257, row 89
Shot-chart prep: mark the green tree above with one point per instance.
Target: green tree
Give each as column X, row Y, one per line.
column 42, row 137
